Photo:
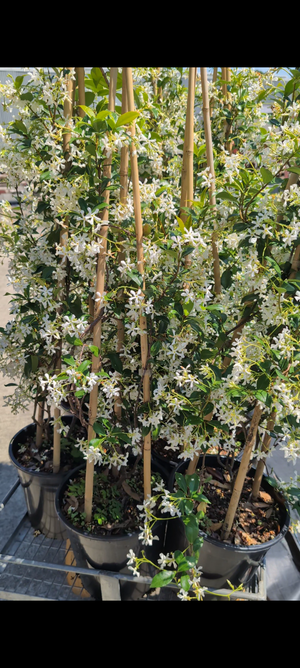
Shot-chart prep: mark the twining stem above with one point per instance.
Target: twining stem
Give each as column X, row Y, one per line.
column 121, row 254
column 100, row 284
column 229, row 144
column 261, row 463
column 188, row 148
column 210, row 163
column 39, row 427
column 242, row 472
column 64, row 231
column 127, row 71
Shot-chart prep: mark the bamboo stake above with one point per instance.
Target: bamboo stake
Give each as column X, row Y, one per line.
column 140, row 257
column 81, row 90
column 210, row 163
column 224, row 85
column 188, row 148
column 242, row 472
column 68, row 109
column 100, row 284
column 209, row 152
column 121, row 254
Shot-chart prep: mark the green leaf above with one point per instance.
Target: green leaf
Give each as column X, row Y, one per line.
column 146, row 431
column 122, row 436
column 89, row 112
column 99, row 429
column 219, row 425
column 250, row 297
column 155, row 348
column 289, row 88
column 263, row 382
column 79, row 393
column 263, row 396
column 162, row 579
column 84, row 366
column 180, row 479
column 181, row 224
column 188, row 307
column 194, row 325
column 116, row 361
column 77, row 342
column 192, row 482
column 267, row 176
column 184, row 582
column 187, row 251
column 208, row 409
column 191, row 528
column 69, row 360
column 127, row 118
column 294, row 169
column 94, row 350
column 226, row 279
column 271, row 481
column 273, row 264
column 227, row 196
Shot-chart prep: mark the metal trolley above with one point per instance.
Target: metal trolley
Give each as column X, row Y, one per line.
column 33, row 567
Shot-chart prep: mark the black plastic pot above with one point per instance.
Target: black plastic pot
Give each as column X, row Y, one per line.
column 110, row 552
column 220, row 561
column 39, row 489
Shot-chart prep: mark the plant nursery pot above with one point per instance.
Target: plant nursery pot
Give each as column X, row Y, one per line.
column 221, row 561
column 39, row 489
column 110, row 552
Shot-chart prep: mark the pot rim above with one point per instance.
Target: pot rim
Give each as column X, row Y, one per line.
column 22, row 468
column 69, row 525
column 260, row 547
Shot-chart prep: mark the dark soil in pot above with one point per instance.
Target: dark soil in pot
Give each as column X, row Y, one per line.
column 41, row 460
column 257, row 527
column 38, row 480
column 114, row 529
column 168, row 458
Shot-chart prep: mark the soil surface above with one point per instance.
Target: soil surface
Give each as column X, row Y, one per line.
column 115, row 501
column 255, row 521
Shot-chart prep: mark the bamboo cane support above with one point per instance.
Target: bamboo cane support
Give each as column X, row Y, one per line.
column 242, row 472
column 224, row 85
column 100, row 284
column 210, row 162
column 140, row 258
column 81, row 90
column 209, row 152
column 121, row 254
column 68, row 110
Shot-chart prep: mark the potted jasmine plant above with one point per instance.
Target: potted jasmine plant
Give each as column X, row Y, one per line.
column 255, row 357
column 45, row 304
